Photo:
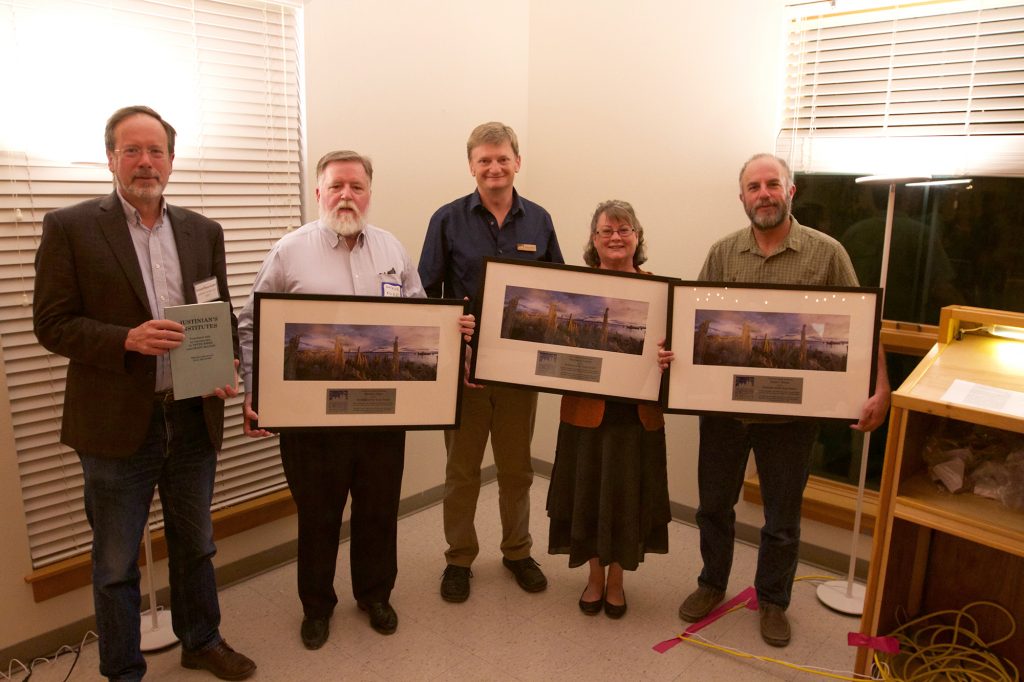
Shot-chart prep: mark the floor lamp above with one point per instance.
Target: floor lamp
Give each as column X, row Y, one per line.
column 156, row 629
column 846, row 596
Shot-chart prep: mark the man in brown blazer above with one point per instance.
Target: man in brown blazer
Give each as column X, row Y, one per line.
column 105, row 271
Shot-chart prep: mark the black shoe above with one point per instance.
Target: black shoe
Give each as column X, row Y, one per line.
column 591, row 608
column 455, row 583
column 314, row 632
column 383, row 618
column 221, row 660
column 527, row 573
column 615, row 611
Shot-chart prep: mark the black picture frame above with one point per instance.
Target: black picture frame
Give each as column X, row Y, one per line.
column 519, row 343
column 781, row 350
column 305, row 378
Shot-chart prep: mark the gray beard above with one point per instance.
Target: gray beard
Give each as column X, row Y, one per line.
column 769, row 222
column 145, row 193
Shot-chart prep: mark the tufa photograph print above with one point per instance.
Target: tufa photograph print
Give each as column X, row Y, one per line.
column 575, row 320
column 359, row 352
column 771, row 340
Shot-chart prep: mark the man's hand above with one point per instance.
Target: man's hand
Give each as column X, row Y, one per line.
column 229, row 391
column 249, row 418
column 665, row 357
column 874, row 412
column 467, row 325
column 876, row 408
column 154, row 337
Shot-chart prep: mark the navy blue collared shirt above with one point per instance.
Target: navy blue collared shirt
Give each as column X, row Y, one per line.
column 461, row 233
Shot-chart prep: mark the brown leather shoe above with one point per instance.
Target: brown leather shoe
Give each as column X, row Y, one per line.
column 700, row 603
column 221, row 660
column 774, row 625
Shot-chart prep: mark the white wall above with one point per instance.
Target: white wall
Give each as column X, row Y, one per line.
column 655, row 101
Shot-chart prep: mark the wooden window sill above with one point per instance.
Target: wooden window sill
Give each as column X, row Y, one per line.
column 828, row 502
column 75, row 572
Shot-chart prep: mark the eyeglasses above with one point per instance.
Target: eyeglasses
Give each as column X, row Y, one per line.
column 623, row 232
column 134, row 152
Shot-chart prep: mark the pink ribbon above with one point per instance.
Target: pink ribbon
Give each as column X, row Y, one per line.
column 748, row 595
column 888, row 645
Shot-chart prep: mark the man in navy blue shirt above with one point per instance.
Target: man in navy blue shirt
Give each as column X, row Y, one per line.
column 492, row 221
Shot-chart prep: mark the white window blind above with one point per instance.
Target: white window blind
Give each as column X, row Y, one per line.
column 227, row 76
column 926, row 87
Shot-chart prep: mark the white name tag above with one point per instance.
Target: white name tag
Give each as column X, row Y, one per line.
column 389, row 290
column 206, row 290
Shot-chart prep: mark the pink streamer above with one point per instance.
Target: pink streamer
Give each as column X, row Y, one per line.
column 748, row 595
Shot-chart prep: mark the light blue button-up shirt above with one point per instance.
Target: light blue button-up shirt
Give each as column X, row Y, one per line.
column 161, row 271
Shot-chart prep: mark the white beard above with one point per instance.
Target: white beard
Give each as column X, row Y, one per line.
column 344, row 224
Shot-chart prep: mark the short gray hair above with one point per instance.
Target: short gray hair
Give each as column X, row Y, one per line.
column 765, row 155
column 343, row 155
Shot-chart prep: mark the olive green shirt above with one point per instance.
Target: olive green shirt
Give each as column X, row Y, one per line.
column 806, row 257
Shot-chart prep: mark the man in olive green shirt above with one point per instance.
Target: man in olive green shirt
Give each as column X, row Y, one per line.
column 773, row 249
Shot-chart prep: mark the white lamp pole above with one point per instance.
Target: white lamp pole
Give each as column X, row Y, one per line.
column 847, row 596
column 157, row 632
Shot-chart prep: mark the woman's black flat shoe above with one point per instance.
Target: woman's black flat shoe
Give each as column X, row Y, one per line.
column 615, row 610
column 591, row 608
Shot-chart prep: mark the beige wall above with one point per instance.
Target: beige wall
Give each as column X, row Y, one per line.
column 656, row 102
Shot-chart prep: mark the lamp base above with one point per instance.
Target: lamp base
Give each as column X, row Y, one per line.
column 833, row 595
column 159, row 637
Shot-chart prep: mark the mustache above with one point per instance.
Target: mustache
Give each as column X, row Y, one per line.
column 345, row 203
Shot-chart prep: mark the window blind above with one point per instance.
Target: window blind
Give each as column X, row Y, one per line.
column 227, row 75
column 926, row 87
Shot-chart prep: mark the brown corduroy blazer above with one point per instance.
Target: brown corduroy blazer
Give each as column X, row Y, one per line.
column 89, row 292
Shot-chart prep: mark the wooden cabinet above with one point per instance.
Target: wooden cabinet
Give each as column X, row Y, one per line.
column 934, row 550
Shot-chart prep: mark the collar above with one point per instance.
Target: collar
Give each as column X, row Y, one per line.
column 131, row 213
column 793, row 241
column 476, row 205
column 334, row 239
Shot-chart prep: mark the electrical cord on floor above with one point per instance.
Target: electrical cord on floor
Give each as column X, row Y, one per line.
column 935, row 650
column 65, row 649
column 695, row 638
column 822, row 672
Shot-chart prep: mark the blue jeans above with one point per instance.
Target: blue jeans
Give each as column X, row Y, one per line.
column 782, row 452
column 176, row 455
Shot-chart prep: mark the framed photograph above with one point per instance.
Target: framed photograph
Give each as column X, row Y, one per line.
column 772, row 350
column 356, row 362
column 568, row 329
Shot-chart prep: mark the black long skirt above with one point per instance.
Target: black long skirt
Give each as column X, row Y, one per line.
column 608, row 496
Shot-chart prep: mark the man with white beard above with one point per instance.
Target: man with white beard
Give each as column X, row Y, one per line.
column 340, row 254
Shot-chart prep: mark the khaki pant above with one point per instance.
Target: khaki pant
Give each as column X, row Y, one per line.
column 507, row 415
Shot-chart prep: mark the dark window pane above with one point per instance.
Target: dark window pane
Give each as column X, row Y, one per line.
column 950, row 243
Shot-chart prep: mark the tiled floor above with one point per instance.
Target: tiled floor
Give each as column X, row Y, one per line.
column 502, row 633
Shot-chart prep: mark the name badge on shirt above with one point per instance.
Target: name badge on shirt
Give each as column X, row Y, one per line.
column 530, row 248
column 390, row 284
column 206, row 290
